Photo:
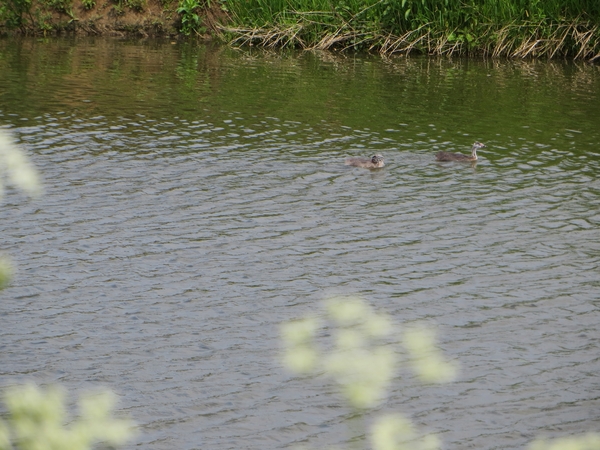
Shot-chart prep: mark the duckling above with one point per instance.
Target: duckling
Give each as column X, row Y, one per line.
column 376, row 162
column 446, row 156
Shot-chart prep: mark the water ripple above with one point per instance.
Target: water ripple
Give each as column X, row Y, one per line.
column 165, row 253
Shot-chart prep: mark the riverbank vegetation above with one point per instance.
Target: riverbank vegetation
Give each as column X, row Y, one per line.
column 510, row 28
column 514, row 28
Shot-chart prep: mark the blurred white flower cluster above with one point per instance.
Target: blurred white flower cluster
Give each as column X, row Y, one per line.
column 589, row 441
column 363, row 361
column 15, row 169
column 36, row 421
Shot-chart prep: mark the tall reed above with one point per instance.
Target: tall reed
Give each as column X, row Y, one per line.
column 516, row 28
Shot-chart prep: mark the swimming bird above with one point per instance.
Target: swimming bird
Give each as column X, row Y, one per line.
column 446, row 156
column 375, row 162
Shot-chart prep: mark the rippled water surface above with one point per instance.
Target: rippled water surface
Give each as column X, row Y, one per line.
column 196, row 197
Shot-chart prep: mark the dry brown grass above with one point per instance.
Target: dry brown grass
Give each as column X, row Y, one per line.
column 264, row 37
column 540, row 41
column 578, row 40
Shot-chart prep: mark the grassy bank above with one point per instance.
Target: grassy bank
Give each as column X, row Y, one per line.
column 515, row 28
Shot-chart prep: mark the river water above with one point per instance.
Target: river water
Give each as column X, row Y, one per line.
column 196, row 197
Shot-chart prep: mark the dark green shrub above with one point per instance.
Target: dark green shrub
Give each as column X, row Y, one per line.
column 13, row 13
column 190, row 20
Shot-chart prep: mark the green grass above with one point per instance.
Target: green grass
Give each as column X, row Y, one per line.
column 190, row 19
column 515, row 28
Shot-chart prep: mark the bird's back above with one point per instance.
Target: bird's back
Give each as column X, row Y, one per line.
column 359, row 162
column 447, row 156
column 375, row 162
